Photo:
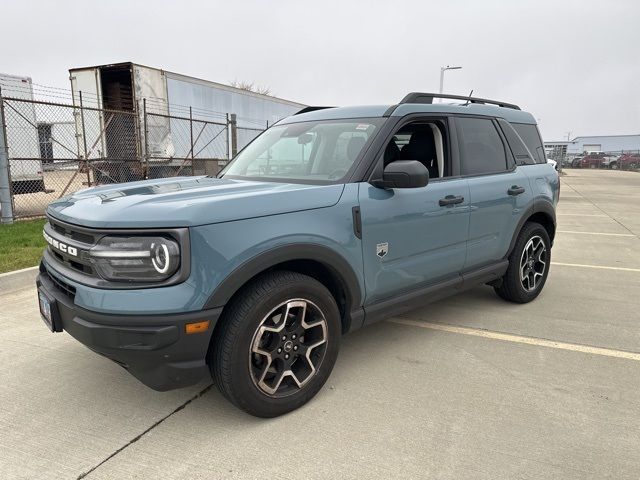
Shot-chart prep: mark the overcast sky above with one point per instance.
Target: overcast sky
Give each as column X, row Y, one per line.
column 574, row 64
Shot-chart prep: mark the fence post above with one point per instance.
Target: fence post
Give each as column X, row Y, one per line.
column 561, row 161
column 191, row 134
column 234, row 135
column 146, row 139
column 138, row 129
column 228, row 136
column 6, row 197
column 84, row 141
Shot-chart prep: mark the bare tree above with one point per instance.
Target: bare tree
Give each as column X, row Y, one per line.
column 251, row 87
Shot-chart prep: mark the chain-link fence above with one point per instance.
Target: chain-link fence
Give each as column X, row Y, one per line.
column 54, row 149
column 612, row 160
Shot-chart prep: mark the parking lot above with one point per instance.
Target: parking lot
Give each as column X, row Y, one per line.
column 468, row 387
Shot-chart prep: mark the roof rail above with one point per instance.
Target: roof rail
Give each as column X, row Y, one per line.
column 311, row 109
column 418, row 97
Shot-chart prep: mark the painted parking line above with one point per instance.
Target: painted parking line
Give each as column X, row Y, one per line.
column 508, row 337
column 582, row 215
column 603, row 267
column 598, row 233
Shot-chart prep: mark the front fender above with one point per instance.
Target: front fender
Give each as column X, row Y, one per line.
column 328, row 257
column 226, row 255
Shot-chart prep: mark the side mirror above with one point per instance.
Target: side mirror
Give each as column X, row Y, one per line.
column 403, row 174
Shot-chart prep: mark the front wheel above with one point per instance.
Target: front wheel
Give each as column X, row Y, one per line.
column 528, row 265
column 278, row 342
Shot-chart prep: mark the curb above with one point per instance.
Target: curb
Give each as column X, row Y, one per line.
column 17, row 280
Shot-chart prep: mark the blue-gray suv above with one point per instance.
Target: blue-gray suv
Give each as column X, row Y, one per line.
column 330, row 220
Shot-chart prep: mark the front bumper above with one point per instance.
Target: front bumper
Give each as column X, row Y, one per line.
column 153, row 348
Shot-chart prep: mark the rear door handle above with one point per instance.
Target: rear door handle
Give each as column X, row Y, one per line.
column 451, row 200
column 515, row 190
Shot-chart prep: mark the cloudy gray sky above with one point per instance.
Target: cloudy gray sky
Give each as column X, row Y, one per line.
column 574, row 64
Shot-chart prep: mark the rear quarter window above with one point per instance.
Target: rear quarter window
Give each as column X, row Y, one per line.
column 520, row 151
column 531, row 138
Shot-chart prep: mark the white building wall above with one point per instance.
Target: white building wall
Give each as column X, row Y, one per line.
column 604, row 143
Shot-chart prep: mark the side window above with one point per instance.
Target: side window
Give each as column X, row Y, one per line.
column 483, row 150
column 423, row 141
column 520, row 151
column 531, row 138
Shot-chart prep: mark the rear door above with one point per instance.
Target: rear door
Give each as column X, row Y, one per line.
column 499, row 192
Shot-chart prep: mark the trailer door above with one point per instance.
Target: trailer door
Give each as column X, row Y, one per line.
column 88, row 82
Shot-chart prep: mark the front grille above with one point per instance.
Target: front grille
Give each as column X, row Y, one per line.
column 68, row 232
column 83, row 239
column 64, row 287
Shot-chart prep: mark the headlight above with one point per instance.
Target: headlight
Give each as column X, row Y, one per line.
column 135, row 259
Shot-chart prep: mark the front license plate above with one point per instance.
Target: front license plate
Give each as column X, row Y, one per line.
column 46, row 309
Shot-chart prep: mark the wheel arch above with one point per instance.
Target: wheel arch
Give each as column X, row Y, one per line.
column 317, row 261
column 541, row 212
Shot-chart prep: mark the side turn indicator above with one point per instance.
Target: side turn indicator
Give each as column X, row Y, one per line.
column 196, row 327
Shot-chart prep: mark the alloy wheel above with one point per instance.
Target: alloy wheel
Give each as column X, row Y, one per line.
column 288, row 347
column 533, row 263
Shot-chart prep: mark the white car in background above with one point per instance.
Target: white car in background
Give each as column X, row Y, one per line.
column 552, row 162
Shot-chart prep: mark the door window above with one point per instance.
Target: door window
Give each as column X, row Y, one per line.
column 483, row 150
column 425, row 142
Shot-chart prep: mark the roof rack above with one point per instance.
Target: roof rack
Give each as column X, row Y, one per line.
column 418, row 97
column 311, row 109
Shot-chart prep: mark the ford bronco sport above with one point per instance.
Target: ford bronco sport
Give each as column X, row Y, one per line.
column 330, row 220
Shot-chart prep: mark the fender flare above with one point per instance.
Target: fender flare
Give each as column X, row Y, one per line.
column 539, row 206
column 334, row 262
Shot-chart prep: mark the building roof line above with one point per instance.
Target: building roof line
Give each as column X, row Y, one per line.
column 608, row 136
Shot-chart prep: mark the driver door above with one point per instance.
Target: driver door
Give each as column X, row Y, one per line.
column 414, row 237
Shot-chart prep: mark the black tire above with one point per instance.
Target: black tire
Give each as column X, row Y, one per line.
column 512, row 288
column 232, row 362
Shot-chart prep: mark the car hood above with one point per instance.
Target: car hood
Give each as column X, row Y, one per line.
column 187, row 201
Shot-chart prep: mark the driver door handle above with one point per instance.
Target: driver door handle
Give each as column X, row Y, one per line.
column 451, row 200
column 515, row 190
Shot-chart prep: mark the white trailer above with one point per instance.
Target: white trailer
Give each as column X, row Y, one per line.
column 167, row 97
column 23, row 143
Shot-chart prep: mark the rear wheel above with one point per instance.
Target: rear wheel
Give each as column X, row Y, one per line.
column 528, row 265
column 278, row 342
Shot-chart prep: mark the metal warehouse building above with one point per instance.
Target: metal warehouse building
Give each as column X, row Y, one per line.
column 597, row 143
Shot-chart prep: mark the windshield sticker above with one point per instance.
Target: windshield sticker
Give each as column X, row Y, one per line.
column 362, row 126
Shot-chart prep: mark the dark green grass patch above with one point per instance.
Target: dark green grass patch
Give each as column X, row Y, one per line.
column 21, row 245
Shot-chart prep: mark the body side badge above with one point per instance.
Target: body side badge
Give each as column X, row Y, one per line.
column 382, row 249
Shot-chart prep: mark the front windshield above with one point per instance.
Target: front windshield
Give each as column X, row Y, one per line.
column 321, row 151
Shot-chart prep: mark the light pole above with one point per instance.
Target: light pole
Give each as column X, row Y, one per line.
column 442, row 70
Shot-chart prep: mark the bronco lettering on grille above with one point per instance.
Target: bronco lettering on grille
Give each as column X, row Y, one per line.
column 63, row 247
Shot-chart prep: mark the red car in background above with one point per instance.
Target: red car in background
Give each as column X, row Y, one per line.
column 627, row 161
column 592, row 160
